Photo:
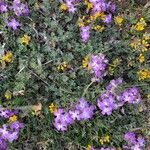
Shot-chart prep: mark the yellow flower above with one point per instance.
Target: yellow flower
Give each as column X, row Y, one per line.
column 118, row 20
column 104, row 139
column 97, row 15
column 63, row 6
column 140, row 26
column 80, row 22
column 98, row 28
column 62, row 66
column 8, row 95
column 89, row 147
column 146, row 36
column 102, row 16
column 25, row 39
column 85, row 62
column 13, row 118
column 148, row 96
column 141, row 58
column 143, row 74
column 135, row 43
column 7, row 57
column 144, row 46
column 52, row 108
column 111, row 70
column 116, row 62
column 89, row 5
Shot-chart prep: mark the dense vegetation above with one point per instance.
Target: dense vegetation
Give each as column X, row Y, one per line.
column 74, row 75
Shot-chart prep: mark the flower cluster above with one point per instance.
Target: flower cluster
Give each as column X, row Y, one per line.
column 6, row 113
column 18, row 8
column 25, row 39
column 95, row 10
column 118, row 20
column 130, row 95
column 105, row 139
column 85, row 33
column 106, row 103
column 110, row 100
column 141, row 44
column 134, row 141
column 97, row 66
column 62, row 66
column 143, row 74
column 103, row 148
column 7, row 57
column 9, row 132
column 140, row 26
column 82, row 111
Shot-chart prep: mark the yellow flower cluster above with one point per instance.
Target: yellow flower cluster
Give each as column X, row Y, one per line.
column 98, row 28
column 141, row 58
column 83, row 21
column 7, row 57
column 141, row 44
column 85, row 62
column 25, row 39
column 62, row 66
column 13, row 118
column 118, row 20
column 89, row 147
column 88, row 4
column 52, row 108
column 143, row 74
column 63, row 7
column 140, row 26
column 8, row 95
column 104, row 139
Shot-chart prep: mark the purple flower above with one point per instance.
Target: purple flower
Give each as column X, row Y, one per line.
column 97, row 66
column 85, row 33
column 16, row 126
column 68, row 118
column 130, row 137
column 113, row 84
column 75, row 114
column 58, row 113
column 106, row 103
column 107, row 148
column 134, row 141
column 87, row 113
column 97, row 7
column 13, row 23
column 130, row 96
column 7, row 113
column 60, row 124
column 3, row 144
column 85, row 110
column 71, row 6
column 82, row 111
column 3, row 7
column 4, row 131
column 12, row 136
column 111, row 7
column 20, row 9
column 108, row 18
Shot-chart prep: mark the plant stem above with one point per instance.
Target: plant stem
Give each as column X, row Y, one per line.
column 85, row 91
